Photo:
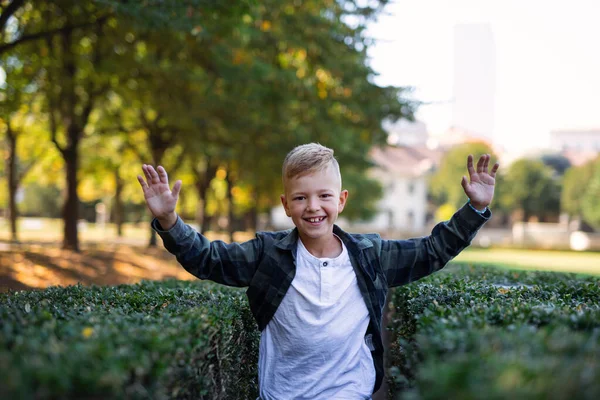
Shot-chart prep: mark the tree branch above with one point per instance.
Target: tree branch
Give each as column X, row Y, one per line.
column 9, row 11
column 47, row 34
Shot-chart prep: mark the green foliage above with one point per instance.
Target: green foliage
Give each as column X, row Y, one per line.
column 590, row 204
column 531, row 188
column 444, row 185
column 486, row 333
column 579, row 192
column 234, row 85
column 154, row 340
column 462, row 333
column 362, row 195
column 559, row 163
column 41, row 201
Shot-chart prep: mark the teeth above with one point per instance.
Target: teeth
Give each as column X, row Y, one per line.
column 315, row 219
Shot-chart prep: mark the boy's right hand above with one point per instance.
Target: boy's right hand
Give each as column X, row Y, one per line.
column 159, row 198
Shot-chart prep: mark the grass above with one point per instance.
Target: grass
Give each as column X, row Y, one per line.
column 544, row 260
column 49, row 230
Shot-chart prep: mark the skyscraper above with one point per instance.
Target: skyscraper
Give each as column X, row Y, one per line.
column 474, row 79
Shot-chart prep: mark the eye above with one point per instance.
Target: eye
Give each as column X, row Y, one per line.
column 326, row 195
column 298, row 198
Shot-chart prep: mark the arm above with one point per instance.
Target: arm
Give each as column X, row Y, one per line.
column 405, row 261
column 230, row 264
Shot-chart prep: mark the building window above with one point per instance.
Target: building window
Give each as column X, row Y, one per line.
column 410, row 219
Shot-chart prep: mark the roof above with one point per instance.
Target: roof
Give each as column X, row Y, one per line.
column 406, row 160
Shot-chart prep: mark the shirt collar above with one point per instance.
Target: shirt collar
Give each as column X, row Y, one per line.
column 290, row 241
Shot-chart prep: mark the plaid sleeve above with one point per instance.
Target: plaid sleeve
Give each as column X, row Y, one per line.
column 405, row 261
column 231, row 264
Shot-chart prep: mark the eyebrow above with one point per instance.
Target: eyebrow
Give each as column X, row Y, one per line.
column 318, row 191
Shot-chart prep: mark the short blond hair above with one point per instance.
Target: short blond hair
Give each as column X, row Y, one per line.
column 308, row 158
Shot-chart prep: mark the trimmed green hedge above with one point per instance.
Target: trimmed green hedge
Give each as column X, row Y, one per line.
column 464, row 333
column 484, row 333
column 158, row 340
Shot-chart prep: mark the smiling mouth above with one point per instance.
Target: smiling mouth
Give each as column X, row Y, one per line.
column 314, row 220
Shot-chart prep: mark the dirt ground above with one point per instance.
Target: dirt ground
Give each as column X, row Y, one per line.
column 39, row 265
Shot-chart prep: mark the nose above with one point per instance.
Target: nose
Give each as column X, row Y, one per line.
column 313, row 204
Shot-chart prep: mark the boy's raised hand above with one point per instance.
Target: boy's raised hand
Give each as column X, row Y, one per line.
column 480, row 186
column 159, row 198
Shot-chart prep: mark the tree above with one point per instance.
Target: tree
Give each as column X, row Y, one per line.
column 557, row 162
column 444, row 185
column 80, row 43
column 19, row 105
column 532, row 189
column 590, row 206
column 578, row 190
column 575, row 182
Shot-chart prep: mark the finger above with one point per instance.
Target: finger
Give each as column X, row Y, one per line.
column 464, row 183
column 176, row 189
column 162, row 174
column 480, row 164
column 486, row 163
column 147, row 173
column 153, row 174
column 470, row 165
column 494, row 170
column 142, row 182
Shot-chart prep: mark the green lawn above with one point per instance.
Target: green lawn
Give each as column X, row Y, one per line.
column 546, row 260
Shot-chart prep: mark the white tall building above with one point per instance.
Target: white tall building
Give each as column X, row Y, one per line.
column 474, row 79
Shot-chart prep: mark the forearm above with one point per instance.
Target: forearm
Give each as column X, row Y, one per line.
column 408, row 260
column 229, row 264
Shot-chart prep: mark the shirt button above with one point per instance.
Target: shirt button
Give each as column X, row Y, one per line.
column 325, row 263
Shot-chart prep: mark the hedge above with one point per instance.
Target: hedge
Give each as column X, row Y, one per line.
column 464, row 333
column 158, row 340
column 483, row 333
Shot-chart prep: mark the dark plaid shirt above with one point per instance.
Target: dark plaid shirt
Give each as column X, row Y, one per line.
column 267, row 264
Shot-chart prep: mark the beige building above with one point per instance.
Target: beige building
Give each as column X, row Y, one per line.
column 403, row 172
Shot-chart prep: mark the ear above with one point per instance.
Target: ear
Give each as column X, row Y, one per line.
column 343, row 199
column 285, row 205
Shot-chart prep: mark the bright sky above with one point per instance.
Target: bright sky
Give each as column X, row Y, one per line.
column 547, row 62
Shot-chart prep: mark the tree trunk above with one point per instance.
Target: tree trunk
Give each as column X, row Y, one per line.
column 206, row 220
column 202, row 185
column 253, row 219
column 118, row 206
column 13, row 184
column 71, row 205
column 231, row 223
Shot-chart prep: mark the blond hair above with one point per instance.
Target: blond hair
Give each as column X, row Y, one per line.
column 308, row 158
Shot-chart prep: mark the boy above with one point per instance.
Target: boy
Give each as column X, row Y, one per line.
column 317, row 292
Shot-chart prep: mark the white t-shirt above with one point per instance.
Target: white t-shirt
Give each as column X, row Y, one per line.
column 313, row 347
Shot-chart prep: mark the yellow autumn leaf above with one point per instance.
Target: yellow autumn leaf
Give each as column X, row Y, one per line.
column 265, row 26
column 87, row 332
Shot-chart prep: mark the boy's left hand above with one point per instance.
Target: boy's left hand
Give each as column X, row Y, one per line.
column 480, row 188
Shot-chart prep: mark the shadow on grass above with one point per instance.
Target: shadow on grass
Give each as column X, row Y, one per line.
column 37, row 266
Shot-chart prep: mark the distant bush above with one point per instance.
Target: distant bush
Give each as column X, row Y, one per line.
column 492, row 334
column 153, row 340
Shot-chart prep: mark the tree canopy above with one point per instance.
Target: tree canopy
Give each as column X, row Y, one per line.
column 201, row 87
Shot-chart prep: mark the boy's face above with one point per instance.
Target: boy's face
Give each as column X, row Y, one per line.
column 313, row 202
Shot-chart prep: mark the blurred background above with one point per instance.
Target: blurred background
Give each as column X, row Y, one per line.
column 219, row 93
